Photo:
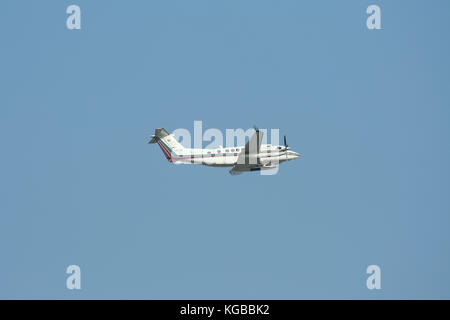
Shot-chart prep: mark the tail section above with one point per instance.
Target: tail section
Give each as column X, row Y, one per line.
column 168, row 144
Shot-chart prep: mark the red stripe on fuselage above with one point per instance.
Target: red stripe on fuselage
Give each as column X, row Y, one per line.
column 165, row 151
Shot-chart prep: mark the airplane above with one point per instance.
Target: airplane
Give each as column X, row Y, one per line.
column 254, row 156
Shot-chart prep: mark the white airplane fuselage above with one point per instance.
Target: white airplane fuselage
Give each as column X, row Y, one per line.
column 228, row 157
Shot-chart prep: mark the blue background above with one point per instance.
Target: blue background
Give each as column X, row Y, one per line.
column 368, row 110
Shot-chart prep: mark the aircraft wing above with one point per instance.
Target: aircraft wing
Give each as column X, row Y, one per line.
column 248, row 158
column 249, row 155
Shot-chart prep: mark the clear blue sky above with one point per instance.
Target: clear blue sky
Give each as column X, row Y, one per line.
column 368, row 110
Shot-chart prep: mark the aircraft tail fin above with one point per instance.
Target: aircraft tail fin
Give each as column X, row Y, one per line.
column 167, row 142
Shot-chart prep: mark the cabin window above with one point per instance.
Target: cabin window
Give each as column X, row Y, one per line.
column 227, row 150
column 218, row 151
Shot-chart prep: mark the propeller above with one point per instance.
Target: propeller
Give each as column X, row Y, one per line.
column 285, row 146
column 257, row 143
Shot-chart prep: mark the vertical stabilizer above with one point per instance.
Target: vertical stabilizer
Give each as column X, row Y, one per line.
column 167, row 142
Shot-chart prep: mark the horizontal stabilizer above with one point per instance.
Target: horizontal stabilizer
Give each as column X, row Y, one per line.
column 154, row 139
